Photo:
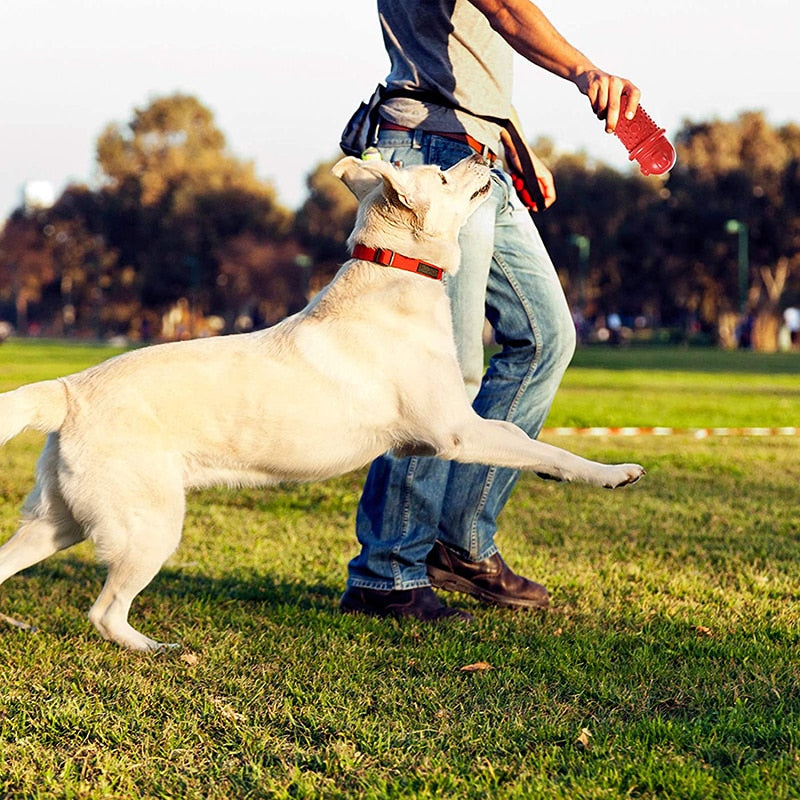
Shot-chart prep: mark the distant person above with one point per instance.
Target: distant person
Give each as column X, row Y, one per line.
column 423, row 521
column 744, row 332
column 791, row 319
column 614, row 323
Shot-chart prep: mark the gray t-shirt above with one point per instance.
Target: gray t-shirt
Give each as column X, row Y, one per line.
column 446, row 46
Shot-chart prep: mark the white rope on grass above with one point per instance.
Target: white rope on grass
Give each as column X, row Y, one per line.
column 698, row 433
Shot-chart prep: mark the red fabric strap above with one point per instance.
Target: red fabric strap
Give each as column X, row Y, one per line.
column 388, row 258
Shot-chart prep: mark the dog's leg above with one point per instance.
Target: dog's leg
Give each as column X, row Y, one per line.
column 48, row 524
column 35, row 540
column 47, row 527
column 129, row 571
column 484, row 441
column 134, row 541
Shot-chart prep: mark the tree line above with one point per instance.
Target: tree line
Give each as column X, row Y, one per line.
column 178, row 237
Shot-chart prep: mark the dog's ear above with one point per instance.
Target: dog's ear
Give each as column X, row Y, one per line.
column 361, row 177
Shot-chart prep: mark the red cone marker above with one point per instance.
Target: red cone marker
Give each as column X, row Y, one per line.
column 645, row 142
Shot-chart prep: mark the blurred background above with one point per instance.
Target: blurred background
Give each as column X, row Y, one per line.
column 165, row 167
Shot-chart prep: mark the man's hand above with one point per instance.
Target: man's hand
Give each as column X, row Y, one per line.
column 605, row 93
column 547, row 184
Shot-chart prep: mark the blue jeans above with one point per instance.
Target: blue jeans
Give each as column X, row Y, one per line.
column 506, row 276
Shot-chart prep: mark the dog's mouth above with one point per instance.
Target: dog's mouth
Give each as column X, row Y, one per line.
column 482, row 191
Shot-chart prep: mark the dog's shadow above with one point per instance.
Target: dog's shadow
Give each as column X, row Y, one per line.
column 246, row 586
column 79, row 581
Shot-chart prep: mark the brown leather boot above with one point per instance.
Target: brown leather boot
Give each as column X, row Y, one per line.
column 489, row 580
column 421, row 604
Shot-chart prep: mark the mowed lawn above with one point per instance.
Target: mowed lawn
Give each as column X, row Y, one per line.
column 668, row 667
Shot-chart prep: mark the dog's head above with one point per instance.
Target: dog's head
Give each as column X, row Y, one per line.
column 418, row 210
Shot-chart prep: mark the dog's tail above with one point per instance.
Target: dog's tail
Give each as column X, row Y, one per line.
column 41, row 406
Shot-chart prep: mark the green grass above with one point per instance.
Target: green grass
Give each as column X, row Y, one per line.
column 27, row 360
column 673, row 639
column 679, row 388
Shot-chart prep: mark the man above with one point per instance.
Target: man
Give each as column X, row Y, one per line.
column 423, row 521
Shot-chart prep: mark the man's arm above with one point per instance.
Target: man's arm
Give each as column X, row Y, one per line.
column 533, row 36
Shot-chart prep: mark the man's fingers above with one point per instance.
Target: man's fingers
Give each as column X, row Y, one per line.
column 605, row 93
column 548, row 189
column 633, row 94
column 616, row 89
column 612, row 109
column 600, row 104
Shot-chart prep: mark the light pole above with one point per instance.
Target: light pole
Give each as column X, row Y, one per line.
column 740, row 228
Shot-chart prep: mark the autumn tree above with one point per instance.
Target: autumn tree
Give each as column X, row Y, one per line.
column 324, row 221
column 176, row 216
column 663, row 247
column 733, row 176
column 174, row 195
column 606, row 212
column 169, row 200
column 27, row 265
column 261, row 281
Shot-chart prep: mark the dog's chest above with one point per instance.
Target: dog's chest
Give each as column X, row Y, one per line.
column 389, row 343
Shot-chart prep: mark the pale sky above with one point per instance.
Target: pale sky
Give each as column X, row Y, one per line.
column 283, row 77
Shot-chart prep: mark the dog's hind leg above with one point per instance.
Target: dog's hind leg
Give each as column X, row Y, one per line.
column 47, row 527
column 130, row 570
column 47, row 523
column 134, row 542
column 36, row 539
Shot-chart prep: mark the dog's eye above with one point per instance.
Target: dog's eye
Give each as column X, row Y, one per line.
column 444, row 178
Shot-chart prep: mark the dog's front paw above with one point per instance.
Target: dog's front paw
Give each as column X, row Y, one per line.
column 623, row 475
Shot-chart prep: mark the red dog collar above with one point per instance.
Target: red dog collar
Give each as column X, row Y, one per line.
column 388, row 258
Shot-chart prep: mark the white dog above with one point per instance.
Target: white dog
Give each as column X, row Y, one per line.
column 369, row 366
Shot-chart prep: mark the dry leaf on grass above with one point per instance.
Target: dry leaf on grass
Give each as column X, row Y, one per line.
column 190, row 658
column 233, row 716
column 703, row 631
column 583, row 739
column 226, row 710
column 478, row 666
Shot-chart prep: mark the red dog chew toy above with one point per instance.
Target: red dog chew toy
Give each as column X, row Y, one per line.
column 645, row 142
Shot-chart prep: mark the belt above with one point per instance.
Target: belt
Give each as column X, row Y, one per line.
column 464, row 138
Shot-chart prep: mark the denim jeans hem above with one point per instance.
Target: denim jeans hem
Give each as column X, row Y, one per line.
column 378, row 586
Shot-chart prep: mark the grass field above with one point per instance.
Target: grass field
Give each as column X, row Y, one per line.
column 669, row 666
